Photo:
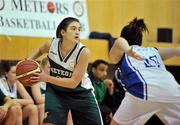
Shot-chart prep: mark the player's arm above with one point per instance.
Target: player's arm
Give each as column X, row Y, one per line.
column 120, row 46
column 8, row 101
column 110, row 85
column 77, row 75
column 167, row 53
column 5, row 106
column 36, row 93
column 25, row 97
column 40, row 51
column 116, row 51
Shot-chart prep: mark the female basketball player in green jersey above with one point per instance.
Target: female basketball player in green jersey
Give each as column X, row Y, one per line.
column 68, row 85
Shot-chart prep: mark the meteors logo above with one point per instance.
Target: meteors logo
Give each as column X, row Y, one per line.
column 40, row 18
column 78, row 8
column 2, row 4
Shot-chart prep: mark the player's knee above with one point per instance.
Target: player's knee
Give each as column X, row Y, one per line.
column 32, row 109
column 40, row 106
column 16, row 110
column 12, row 109
column 3, row 116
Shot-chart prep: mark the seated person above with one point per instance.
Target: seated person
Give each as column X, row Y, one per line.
column 97, row 74
column 35, row 93
column 10, row 86
column 116, row 92
column 10, row 112
column 45, row 67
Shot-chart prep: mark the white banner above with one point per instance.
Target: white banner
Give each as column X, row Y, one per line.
column 40, row 18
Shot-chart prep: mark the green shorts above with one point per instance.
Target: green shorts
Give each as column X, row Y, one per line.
column 83, row 107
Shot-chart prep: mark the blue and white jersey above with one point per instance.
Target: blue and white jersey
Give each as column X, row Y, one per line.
column 64, row 67
column 148, row 79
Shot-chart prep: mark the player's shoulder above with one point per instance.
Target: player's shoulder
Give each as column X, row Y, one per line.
column 2, row 80
column 52, row 42
column 84, row 52
column 144, row 47
column 55, row 39
column 81, row 45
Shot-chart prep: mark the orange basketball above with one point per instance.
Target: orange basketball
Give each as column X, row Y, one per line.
column 25, row 70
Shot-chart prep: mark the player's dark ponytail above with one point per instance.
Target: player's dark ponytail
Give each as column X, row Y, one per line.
column 138, row 25
column 133, row 31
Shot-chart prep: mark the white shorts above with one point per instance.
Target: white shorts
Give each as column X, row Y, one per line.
column 134, row 111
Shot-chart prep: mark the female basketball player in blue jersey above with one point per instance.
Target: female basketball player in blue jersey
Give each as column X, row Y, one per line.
column 68, row 85
column 150, row 88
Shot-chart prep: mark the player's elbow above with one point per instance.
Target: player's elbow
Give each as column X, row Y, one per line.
column 74, row 85
column 30, row 101
column 39, row 101
column 113, row 60
column 112, row 57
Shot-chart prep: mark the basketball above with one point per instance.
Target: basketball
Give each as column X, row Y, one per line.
column 25, row 70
